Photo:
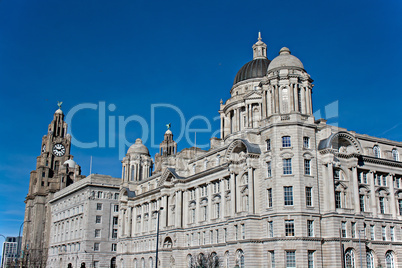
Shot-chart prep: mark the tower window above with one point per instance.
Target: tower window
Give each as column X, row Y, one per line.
column 306, row 142
column 287, row 166
column 286, row 141
column 289, row 227
column 288, row 195
column 307, row 168
column 268, row 144
column 377, row 151
column 395, row 155
column 309, row 197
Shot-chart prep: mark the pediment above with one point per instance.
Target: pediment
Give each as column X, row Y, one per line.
column 169, row 176
column 253, row 95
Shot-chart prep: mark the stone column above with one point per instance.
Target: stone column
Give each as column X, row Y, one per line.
column 390, row 182
column 291, row 98
column 179, row 208
column 222, row 126
column 222, row 194
column 233, row 193
column 121, row 217
column 269, row 101
column 355, row 187
column 134, row 220
column 251, row 190
column 209, row 194
column 185, row 208
column 373, row 201
column 128, row 222
column 329, row 197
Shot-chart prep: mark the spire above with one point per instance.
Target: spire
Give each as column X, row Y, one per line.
column 259, row 49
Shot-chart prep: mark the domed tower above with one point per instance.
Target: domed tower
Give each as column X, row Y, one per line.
column 244, row 109
column 288, row 87
column 137, row 164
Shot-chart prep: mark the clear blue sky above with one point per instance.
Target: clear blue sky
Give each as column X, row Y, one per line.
column 185, row 53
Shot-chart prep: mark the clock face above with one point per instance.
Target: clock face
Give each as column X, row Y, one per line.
column 43, row 148
column 59, row 149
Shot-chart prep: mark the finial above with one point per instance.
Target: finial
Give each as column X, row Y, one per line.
column 168, row 126
column 221, row 101
column 59, row 103
column 259, row 36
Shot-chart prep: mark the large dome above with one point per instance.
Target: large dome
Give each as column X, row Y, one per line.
column 285, row 59
column 256, row 68
column 138, row 148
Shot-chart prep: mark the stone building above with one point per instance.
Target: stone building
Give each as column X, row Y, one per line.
column 10, row 251
column 83, row 230
column 279, row 188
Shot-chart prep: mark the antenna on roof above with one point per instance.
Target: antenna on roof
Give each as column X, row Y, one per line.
column 259, row 36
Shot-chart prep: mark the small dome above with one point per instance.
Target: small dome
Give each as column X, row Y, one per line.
column 138, row 148
column 285, row 59
column 71, row 163
column 59, row 111
column 256, row 68
column 168, row 132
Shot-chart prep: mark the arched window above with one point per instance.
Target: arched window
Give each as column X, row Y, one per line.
column 285, row 101
column 349, row 259
column 226, row 259
column 389, row 260
column 395, row 155
column 135, row 263
column 240, row 258
column 167, row 243
column 189, row 260
column 370, row 259
column 142, row 263
column 151, row 262
column 377, row 151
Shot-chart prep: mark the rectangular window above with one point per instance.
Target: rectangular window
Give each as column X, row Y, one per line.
column 116, row 196
column 338, row 199
column 288, row 195
column 306, row 142
column 116, row 208
column 309, row 198
column 100, row 194
column 114, row 233
column 398, row 182
column 115, row 220
column 336, row 174
column 269, row 197
column 225, row 233
column 384, row 233
column 290, row 259
column 217, row 210
column 114, row 247
column 310, row 228
column 310, row 259
column 353, row 229
column 372, row 232
column 272, row 255
column 98, row 206
column 378, row 179
column 343, row 229
column 289, row 227
column 268, row 145
column 243, row 231
column 96, row 264
column 400, row 206
column 286, row 141
column 269, row 169
column 96, row 246
column 384, row 180
column 361, row 203
column 392, row 233
column 236, row 232
column 97, row 232
column 98, row 219
column 287, row 166
column 382, row 206
column 307, row 168
column 271, row 229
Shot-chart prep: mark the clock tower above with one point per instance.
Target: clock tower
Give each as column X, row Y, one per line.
column 55, row 170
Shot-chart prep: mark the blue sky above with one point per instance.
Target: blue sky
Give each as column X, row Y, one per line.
column 132, row 54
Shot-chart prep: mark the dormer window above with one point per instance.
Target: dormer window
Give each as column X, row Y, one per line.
column 377, row 151
column 395, row 155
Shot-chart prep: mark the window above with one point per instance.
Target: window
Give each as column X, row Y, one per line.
column 353, row 229
column 310, row 259
column 216, row 187
column 114, row 247
column 310, row 228
column 116, row 208
column 96, row 246
column 100, row 194
column 288, row 195
column 192, row 215
column 271, row 229
column 98, row 219
column 269, row 197
column 309, row 198
column 269, row 169
column 384, row 233
column 343, row 229
column 349, row 259
column 272, row 255
column 289, row 227
column 389, row 260
column 395, row 155
column 337, row 199
column 116, row 196
column 376, row 151
column 225, row 235
column 114, row 233
column 98, row 206
column 204, row 212
column 307, row 168
column 361, row 198
column 96, row 264
column 240, row 258
column 384, row 180
column 306, row 142
column 115, row 220
column 382, row 206
column 192, row 194
column 286, row 141
column 392, row 233
column 400, row 206
column 397, row 182
column 243, row 231
column 370, row 259
column 287, row 166
column 290, row 259
column 268, row 145
column 372, row 233
column 337, row 174
column 97, row 232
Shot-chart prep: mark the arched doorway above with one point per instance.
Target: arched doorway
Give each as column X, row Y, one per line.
column 113, row 262
column 82, row 265
column 69, row 265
